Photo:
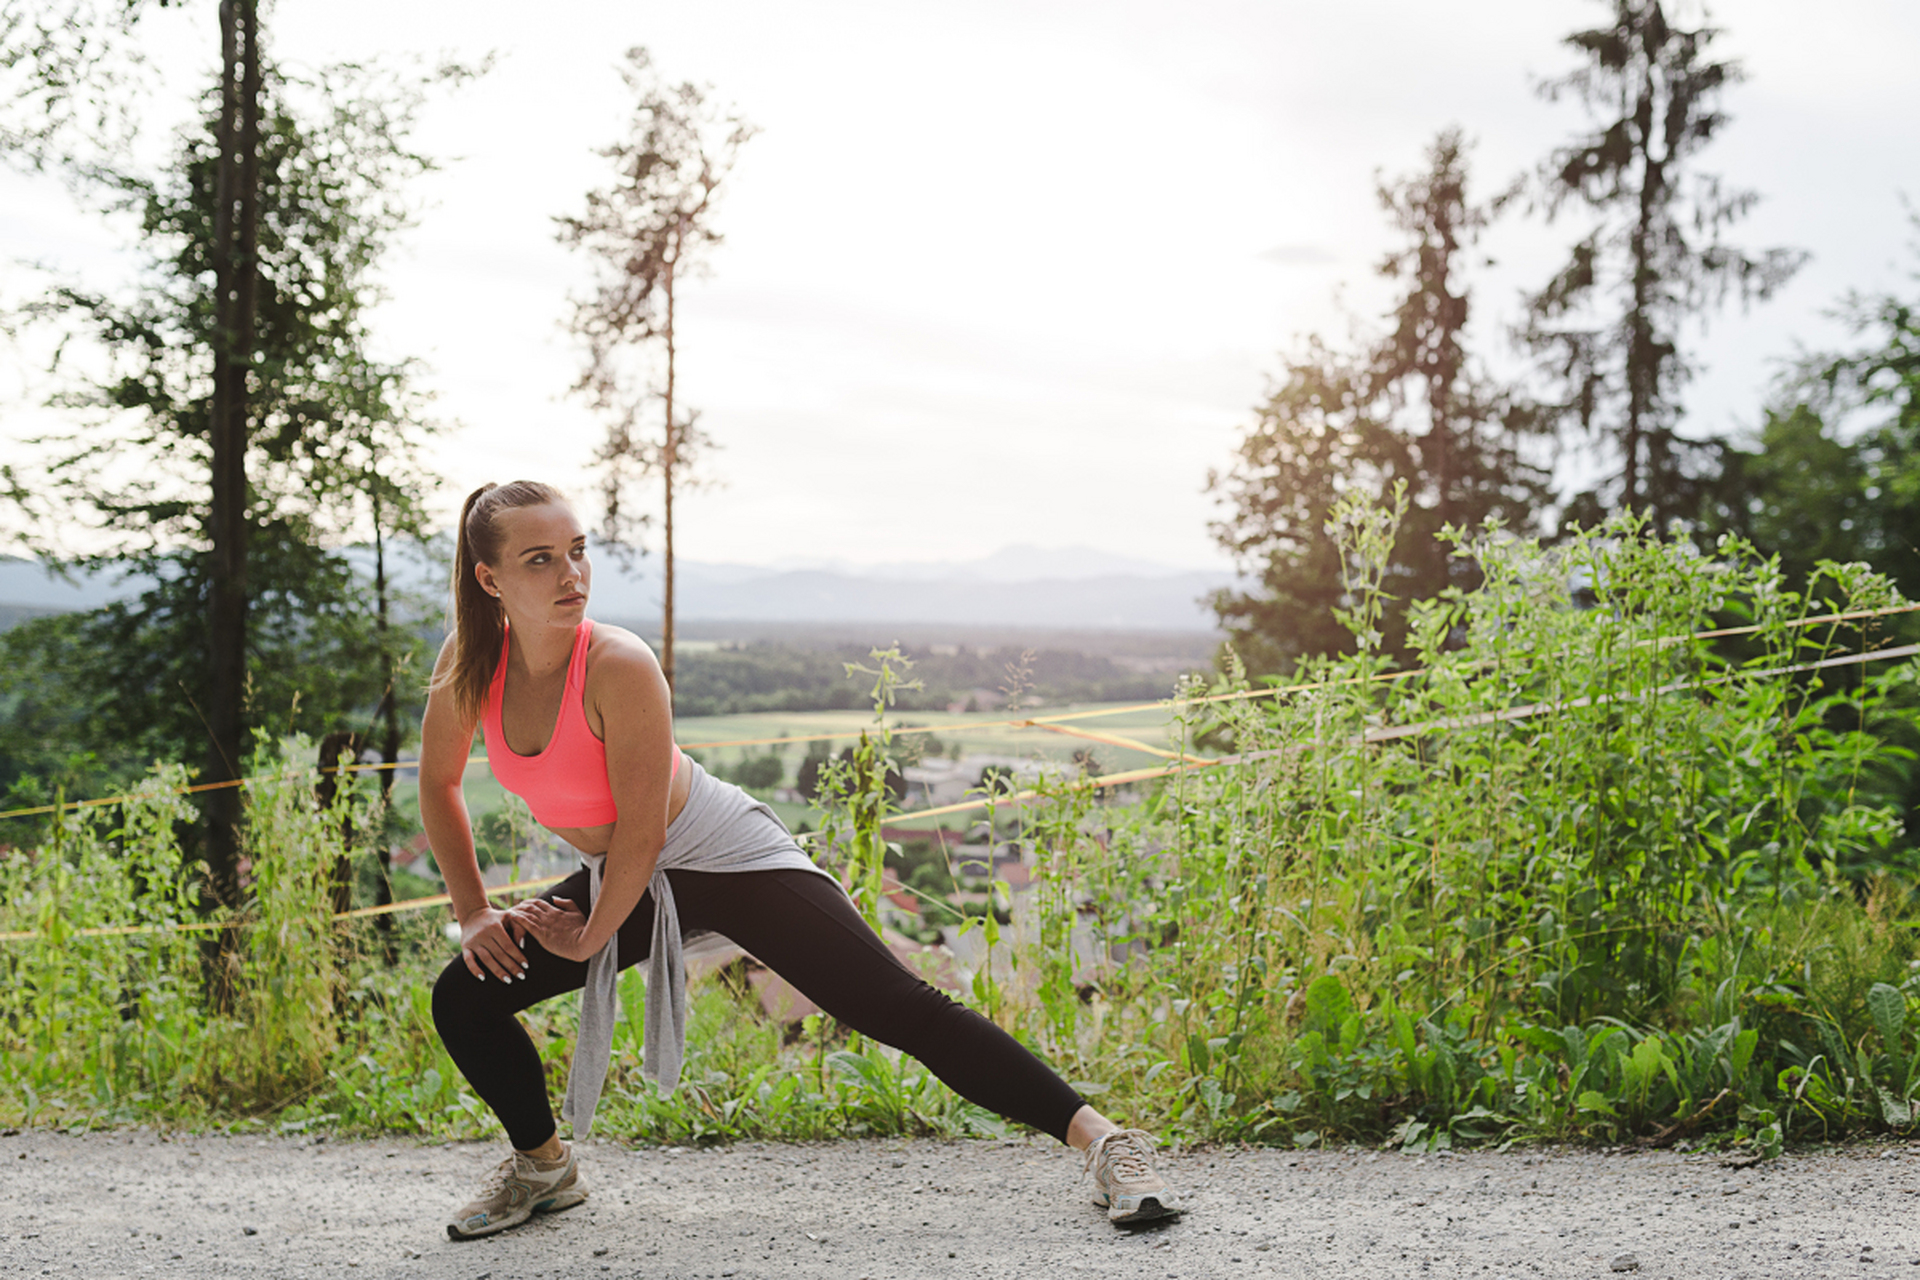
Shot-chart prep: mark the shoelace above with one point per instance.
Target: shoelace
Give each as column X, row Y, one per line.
column 497, row 1180
column 1128, row 1154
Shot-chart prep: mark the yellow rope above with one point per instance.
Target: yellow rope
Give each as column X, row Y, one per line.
column 359, row 913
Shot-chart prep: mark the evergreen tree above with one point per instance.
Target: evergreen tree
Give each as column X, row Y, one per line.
column 647, row 233
column 1411, row 407
column 72, row 66
column 329, row 433
column 1608, row 327
column 1807, row 492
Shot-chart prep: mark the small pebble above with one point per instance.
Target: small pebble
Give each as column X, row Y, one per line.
column 1625, row 1262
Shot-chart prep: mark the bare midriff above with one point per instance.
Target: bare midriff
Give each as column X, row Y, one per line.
column 597, row 839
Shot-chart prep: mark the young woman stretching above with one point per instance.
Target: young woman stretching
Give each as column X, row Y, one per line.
column 579, row 724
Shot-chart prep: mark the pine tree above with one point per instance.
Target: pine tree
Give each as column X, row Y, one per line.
column 1608, row 327
column 648, row 233
column 326, row 426
column 1408, row 407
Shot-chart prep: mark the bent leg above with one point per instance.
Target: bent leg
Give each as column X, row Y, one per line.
column 804, row 927
column 486, row 1041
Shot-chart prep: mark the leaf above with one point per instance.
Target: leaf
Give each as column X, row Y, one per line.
column 1199, row 1055
column 1741, row 1055
column 1591, row 1101
column 1642, row 1065
column 1328, row 1003
column 1889, row 1009
column 1542, row 1039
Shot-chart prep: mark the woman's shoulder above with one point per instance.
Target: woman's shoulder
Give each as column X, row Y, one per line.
column 618, row 652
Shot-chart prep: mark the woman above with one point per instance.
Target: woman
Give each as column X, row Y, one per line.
column 578, row 722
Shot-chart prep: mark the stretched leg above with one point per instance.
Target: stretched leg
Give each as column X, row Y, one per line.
column 804, row 928
column 486, row 1041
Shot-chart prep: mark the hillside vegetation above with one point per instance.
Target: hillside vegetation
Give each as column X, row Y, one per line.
column 1580, row 871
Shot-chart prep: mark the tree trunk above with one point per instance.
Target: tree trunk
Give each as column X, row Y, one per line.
column 390, row 737
column 1643, row 361
column 668, row 456
column 235, row 272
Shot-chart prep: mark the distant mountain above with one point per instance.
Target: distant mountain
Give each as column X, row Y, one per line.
column 27, row 583
column 1167, row 602
column 1019, row 563
column 1074, row 587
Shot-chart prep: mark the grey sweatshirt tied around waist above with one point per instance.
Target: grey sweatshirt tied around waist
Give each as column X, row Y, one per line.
column 721, row 828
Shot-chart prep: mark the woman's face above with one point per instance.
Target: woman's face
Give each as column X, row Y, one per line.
column 542, row 574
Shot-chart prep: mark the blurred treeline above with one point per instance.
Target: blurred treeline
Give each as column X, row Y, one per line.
column 769, row 676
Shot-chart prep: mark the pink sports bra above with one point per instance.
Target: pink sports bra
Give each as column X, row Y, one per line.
column 566, row 784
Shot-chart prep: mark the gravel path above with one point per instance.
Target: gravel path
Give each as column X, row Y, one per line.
column 200, row 1206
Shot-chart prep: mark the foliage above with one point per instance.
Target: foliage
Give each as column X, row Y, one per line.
column 1607, row 327
column 1580, row 876
column 1409, row 411
column 334, row 437
column 857, row 792
column 1836, row 470
column 70, row 71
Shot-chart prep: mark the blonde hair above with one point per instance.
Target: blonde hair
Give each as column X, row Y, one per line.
column 476, row 621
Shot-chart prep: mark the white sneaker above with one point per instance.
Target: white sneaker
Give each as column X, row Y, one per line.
column 518, row 1188
column 1124, row 1181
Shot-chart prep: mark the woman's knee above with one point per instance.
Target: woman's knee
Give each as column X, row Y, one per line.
column 457, row 997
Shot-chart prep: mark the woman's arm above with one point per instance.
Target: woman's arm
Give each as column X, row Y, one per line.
column 635, row 710
column 446, row 740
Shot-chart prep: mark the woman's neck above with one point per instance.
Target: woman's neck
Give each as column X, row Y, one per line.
column 538, row 650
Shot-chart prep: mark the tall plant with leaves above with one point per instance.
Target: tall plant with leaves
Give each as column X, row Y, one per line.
column 647, row 234
column 856, row 793
column 1609, row 327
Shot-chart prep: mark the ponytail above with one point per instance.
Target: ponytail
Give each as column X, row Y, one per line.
column 476, row 621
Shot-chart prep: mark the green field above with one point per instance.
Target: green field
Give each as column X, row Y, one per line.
column 957, row 735
column 972, row 734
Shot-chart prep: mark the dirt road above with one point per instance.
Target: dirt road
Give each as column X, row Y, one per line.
column 137, row 1204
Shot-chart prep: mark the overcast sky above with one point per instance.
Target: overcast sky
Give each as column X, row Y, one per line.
column 1016, row 272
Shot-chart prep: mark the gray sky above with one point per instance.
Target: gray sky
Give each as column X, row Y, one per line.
column 1007, row 272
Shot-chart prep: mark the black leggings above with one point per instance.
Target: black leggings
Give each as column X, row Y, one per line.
column 803, row 927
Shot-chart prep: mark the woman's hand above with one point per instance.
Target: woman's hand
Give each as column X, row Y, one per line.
column 490, row 944
column 560, row 926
